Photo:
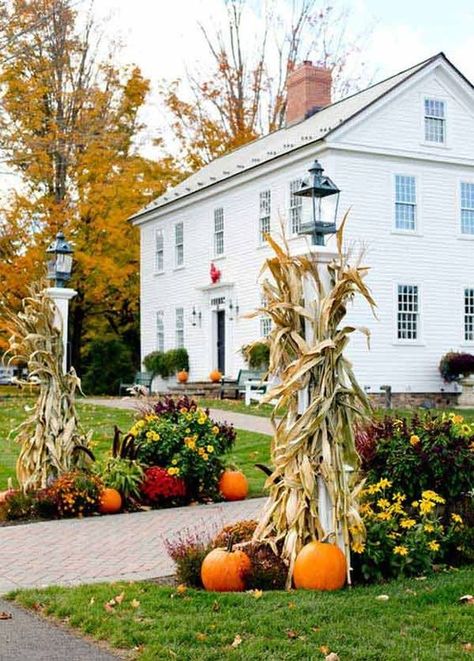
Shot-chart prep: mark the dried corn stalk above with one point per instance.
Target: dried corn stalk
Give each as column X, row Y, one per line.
column 50, row 438
column 307, row 344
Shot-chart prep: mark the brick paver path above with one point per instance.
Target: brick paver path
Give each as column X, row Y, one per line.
column 239, row 420
column 106, row 548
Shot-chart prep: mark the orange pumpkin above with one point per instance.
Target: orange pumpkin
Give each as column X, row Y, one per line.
column 182, row 376
column 110, row 501
column 233, row 485
column 320, row 566
column 224, row 570
column 215, row 376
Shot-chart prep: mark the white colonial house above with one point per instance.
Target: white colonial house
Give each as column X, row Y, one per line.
column 402, row 154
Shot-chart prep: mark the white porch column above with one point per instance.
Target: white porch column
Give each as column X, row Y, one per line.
column 61, row 297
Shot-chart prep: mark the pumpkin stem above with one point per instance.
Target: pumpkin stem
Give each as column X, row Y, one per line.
column 230, row 543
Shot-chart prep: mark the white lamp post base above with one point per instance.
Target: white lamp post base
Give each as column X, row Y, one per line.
column 61, row 297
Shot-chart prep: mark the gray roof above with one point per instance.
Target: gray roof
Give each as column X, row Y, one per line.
column 283, row 141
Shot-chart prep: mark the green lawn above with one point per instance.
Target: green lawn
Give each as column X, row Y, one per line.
column 420, row 620
column 250, row 447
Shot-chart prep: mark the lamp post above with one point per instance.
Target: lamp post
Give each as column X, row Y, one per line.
column 317, row 186
column 59, row 255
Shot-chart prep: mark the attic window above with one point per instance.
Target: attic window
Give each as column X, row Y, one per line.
column 435, row 120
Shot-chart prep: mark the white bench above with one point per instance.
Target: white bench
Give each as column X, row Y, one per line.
column 256, row 390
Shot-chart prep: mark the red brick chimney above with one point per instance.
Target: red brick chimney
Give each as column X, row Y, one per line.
column 309, row 89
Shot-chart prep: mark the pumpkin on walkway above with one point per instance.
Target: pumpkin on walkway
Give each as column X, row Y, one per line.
column 320, row 566
column 233, row 485
column 224, row 570
column 110, row 501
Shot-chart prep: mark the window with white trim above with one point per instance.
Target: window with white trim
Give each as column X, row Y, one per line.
column 467, row 208
column 469, row 315
column 265, row 321
column 405, row 202
column 218, row 231
column 265, row 205
column 160, row 331
column 179, row 244
column 159, row 251
column 179, row 328
column 435, row 121
column 296, row 206
column 407, row 312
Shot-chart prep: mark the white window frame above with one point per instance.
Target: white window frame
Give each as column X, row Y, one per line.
column 466, row 208
column 159, row 251
column 178, row 245
column 437, row 118
column 219, row 238
column 417, row 314
column 179, row 328
column 264, row 215
column 265, row 320
column 160, row 331
column 468, row 316
column 295, row 204
column 398, row 202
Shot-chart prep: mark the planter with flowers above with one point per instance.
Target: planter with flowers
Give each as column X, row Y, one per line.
column 459, row 367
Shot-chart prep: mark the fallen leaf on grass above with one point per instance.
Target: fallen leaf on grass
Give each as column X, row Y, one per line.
column 467, row 599
column 292, row 634
column 135, row 603
column 316, row 629
column 92, row 601
column 291, row 604
column 468, row 647
column 382, row 597
column 5, row 616
column 324, row 649
column 256, row 594
column 201, row 636
column 181, row 589
column 109, row 606
column 237, row 641
column 119, row 598
column 216, row 607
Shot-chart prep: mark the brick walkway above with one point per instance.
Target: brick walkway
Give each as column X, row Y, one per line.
column 108, row 548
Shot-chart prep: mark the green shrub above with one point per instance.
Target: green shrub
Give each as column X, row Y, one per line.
column 107, row 363
column 124, row 475
column 165, row 364
column 257, row 355
column 17, row 506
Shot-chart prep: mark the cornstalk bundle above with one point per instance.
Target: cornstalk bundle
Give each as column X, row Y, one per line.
column 50, row 438
column 307, row 344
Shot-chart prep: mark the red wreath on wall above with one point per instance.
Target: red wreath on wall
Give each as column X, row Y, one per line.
column 214, row 273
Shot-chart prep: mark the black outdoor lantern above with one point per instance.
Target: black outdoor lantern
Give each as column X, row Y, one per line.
column 60, row 262
column 317, row 186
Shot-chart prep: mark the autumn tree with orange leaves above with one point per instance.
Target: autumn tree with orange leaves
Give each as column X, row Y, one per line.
column 69, row 130
column 243, row 94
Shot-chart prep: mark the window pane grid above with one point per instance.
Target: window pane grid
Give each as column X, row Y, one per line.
column 469, row 315
column 219, row 231
column 467, row 208
column 179, row 244
column 405, row 202
column 407, row 317
column 296, row 205
column 160, row 332
column 265, row 326
column 434, row 120
column 264, row 214
column 179, row 328
column 159, row 252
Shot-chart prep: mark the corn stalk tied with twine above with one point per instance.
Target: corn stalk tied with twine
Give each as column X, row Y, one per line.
column 316, row 440
column 50, row 438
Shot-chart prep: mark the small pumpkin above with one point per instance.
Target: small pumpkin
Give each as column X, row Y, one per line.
column 320, row 566
column 224, row 570
column 215, row 376
column 110, row 501
column 182, row 376
column 233, row 485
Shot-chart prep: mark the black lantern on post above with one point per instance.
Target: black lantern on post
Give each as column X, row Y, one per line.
column 60, row 261
column 317, row 187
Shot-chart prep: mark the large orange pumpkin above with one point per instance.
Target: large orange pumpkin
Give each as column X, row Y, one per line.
column 320, row 566
column 110, row 501
column 215, row 376
column 233, row 485
column 224, row 570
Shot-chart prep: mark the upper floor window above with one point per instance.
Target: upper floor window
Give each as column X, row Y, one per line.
column 469, row 315
column 435, row 121
column 407, row 312
column 179, row 244
column 179, row 328
column 219, row 231
column 467, row 208
column 160, row 331
column 264, row 214
column 405, row 202
column 159, row 251
column 296, row 206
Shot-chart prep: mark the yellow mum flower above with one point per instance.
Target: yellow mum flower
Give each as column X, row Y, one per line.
column 396, row 508
column 457, row 419
column 426, row 506
column 205, row 456
column 140, row 423
column 428, row 527
column 201, row 451
column 215, row 430
column 190, row 443
column 400, row 550
column 366, row 509
column 210, row 448
column 415, row 504
column 456, row 518
column 384, row 516
column 373, row 488
column 407, row 523
column 183, row 409
column 174, row 462
column 433, row 546
column 399, row 496
column 432, row 495
column 414, row 440
column 383, row 503
column 358, row 547
column 384, row 483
